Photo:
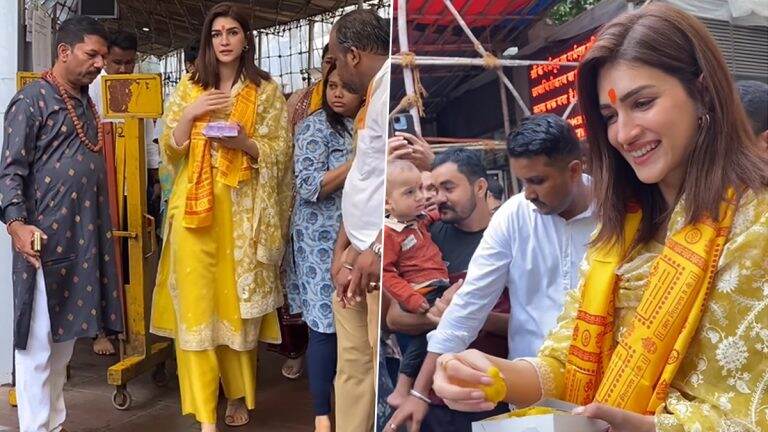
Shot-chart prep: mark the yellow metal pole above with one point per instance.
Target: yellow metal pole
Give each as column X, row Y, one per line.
column 120, row 171
column 141, row 353
column 135, row 188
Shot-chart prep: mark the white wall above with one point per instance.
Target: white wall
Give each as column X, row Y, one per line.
column 9, row 54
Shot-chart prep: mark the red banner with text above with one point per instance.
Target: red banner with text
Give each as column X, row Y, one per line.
column 553, row 87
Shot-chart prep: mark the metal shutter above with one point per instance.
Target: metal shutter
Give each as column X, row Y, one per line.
column 745, row 48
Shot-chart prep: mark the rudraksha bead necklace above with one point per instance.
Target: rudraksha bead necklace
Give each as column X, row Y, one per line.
column 51, row 78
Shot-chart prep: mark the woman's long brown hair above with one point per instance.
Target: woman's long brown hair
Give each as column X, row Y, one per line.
column 725, row 154
column 206, row 72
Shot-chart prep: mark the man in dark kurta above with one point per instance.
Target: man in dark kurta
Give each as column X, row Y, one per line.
column 52, row 182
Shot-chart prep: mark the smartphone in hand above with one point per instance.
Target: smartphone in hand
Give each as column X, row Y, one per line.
column 402, row 122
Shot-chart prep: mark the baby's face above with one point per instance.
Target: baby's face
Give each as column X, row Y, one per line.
column 405, row 197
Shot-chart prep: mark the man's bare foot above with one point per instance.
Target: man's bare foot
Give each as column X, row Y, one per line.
column 103, row 346
column 237, row 413
column 208, row 427
column 292, row 368
column 323, row 424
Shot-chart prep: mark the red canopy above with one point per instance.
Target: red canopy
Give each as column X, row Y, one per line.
column 475, row 12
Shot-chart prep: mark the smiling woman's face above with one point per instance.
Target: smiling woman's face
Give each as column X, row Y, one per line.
column 651, row 120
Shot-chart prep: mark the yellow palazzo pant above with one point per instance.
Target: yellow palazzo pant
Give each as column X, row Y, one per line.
column 200, row 373
column 196, row 303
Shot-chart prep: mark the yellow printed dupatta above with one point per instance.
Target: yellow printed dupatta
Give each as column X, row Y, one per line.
column 232, row 164
column 636, row 373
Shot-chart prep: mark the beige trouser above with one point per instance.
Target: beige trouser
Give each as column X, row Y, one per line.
column 357, row 332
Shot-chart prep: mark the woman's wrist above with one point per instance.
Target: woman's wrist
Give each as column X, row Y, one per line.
column 187, row 120
column 252, row 148
column 177, row 144
column 186, row 116
column 522, row 378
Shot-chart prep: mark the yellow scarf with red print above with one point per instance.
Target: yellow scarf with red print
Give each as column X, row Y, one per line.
column 635, row 374
column 233, row 165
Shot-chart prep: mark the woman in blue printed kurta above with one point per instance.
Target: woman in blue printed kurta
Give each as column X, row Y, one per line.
column 322, row 158
column 319, row 149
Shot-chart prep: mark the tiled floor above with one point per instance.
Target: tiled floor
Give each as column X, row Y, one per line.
column 282, row 405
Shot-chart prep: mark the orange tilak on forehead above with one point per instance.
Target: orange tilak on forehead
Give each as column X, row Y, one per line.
column 612, row 95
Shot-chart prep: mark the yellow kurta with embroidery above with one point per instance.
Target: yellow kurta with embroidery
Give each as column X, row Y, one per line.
column 216, row 284
column 722, row 383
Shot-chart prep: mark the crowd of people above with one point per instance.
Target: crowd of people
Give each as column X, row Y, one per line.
column 285, row 206
column 634, row 289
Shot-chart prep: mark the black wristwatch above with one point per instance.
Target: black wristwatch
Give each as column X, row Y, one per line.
column 376, row 248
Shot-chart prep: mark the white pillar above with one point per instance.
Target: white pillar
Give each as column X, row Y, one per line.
column 9, row 33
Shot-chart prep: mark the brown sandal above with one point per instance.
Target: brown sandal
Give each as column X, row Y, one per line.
column 229, row 417
column 292, row 369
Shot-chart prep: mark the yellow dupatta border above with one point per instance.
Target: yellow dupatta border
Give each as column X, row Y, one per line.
column 635, row 375
column 232, row 164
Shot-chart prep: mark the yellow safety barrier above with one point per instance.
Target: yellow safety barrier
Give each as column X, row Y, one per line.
column 133, row 98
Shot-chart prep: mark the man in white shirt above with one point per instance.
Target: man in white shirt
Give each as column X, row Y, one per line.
column 533, row 245
column 359, row 44
column 121, row 59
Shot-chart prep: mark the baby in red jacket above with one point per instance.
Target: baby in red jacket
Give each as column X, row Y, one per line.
column 414, row 273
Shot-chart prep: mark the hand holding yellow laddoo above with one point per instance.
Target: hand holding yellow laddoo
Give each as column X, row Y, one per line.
column 496, row 391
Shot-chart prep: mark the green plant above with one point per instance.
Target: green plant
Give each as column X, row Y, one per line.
column 568, row 9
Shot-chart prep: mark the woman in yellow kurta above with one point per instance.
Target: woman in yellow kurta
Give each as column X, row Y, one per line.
column 668, row 330
column 218, row 284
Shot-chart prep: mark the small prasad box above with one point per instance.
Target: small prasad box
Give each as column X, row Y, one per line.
column 557, row 419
